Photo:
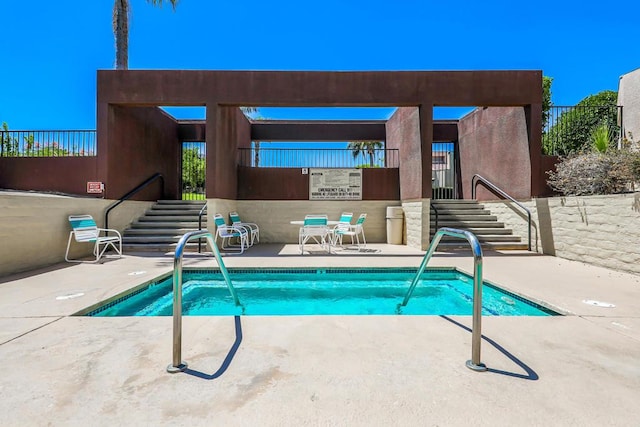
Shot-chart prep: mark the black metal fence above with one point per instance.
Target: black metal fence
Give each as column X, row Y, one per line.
column 47, row 143
column 194, row 163
column 444, row 166
column 570, row 129
column 317, row 158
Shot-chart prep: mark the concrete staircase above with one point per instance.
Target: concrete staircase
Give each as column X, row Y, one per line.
column 162, row 226
column 472, row 216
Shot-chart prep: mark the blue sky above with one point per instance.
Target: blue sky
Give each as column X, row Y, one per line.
column 51, row 50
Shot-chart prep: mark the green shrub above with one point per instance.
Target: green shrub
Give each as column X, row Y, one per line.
column 601, row 139
column 573, row 130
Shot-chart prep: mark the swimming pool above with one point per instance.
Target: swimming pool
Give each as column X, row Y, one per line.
column 322, row 291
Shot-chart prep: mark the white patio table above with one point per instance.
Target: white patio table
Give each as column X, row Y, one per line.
column 300, row 223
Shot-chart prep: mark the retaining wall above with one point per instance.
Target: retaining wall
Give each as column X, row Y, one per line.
column 34, row 228
column 599, row 230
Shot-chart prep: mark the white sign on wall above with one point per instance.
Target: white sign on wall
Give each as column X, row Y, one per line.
column 335, row 184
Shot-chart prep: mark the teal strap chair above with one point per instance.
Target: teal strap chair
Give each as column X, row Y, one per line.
column 229, row 234
column 355, row 231
column 252, row 228
column 85, row 230
column 315, row 228
column 344, row 223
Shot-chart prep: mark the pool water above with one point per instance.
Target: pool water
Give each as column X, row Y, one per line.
column 320, row 292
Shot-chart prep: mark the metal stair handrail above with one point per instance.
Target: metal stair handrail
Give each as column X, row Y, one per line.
column 140, row 186
column 477, row 179
column 200, row 225
column 436, row 212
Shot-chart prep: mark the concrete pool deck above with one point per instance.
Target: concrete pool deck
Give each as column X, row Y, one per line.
column 580, row 369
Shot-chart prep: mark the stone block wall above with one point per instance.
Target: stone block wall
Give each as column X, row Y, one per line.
column 416, row 218
column 274, row 216
column 599, row 230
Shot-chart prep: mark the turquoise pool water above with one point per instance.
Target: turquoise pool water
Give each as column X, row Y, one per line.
column 320, row 292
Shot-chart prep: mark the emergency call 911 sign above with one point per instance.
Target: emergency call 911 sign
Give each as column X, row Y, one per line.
column 335, row 184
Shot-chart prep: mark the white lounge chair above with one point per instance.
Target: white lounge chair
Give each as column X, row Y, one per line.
column 251, row 227
column 85, row 230
column 315, row 227
column 229, row 232
column 343, row 224
column 354, row 231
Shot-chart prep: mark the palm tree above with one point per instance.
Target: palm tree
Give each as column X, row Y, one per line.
column 365, row 147
column 121, row 29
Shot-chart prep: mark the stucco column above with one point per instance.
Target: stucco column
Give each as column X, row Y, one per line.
column 533, row 115
column 102, row 141
column 426, row 136
column 211, row 119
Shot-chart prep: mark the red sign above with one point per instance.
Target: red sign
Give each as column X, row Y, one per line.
column 95, row 187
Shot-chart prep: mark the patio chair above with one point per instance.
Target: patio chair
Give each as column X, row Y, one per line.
column 315, row 228
column 228, row 232
column 251, row 227
column 343, row 224
column 85, row 230
column 354, row 231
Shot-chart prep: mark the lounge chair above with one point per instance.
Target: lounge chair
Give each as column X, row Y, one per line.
column 85, row 230
column 251, row 227
column 229, row 232
column 315, row 228
column 343, row 224
column 354, row 231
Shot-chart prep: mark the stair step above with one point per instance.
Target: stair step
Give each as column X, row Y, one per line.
column 454, row 201
column 192, row 225
column 157, row 231
column 461, row 245
column 488, row 238
column 474, row 211
column 457, row 206
column 470, row 217
column 151, row 239
column 170, row 218
column 159, row 247
column 172, row 212
column 467, row 224
column 484, row 231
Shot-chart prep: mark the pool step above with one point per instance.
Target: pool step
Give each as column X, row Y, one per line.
column 162, row 226
column 472, row 216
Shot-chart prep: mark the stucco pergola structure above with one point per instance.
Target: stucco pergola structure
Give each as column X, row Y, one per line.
column 129, row 149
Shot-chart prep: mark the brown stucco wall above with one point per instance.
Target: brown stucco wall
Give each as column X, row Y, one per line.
column 403, row 133
column 56, row 174
column 219, row 90
column 494, row 143
column 291, row 184
column 317, row 130
column 320, row 88
column 445, row 131
column 141, row 142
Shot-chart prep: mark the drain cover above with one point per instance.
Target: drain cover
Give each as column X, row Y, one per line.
column 598, row 303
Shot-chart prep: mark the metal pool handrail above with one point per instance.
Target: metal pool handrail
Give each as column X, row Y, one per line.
column 476, row 334
column 478, row 178
column 178, row 365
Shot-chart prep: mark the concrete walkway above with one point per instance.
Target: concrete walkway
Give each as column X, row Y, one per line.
column 581, row 369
